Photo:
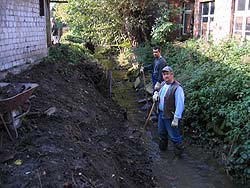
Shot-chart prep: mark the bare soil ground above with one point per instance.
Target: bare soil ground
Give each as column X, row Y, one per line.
column 85, row 143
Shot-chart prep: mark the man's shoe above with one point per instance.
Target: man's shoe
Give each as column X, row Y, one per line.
column 163, row 145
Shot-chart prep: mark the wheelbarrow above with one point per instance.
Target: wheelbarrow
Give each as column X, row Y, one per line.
column 13, row 108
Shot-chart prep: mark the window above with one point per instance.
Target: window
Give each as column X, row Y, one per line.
column 41, row 6
column 241, row 5
column 207, row 18
column 187, row 18
column 242, row 19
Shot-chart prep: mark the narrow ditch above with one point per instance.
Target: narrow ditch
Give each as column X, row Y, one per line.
column 196, row 169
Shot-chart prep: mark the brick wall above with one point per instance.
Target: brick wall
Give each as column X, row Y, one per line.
column 197, row 18
column 223, row 19
column 22, row 33
column 223, row 16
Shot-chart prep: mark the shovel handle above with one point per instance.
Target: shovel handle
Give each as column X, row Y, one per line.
column 145, row 90
column 151, row 110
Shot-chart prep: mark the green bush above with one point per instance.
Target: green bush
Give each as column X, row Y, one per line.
column 216, row 81
column 218, row 95
column 164, row 26
column 69, row 52
column 144, row 53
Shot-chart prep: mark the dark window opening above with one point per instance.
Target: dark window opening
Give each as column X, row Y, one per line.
column 205, row 8
column 41, row 6
column 187, row 19
column 241, row 5
column 212, row 8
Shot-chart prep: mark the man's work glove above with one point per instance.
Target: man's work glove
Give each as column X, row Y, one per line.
column 156, row 96
column 142, row 70
column 157, row 86
column 175, row 122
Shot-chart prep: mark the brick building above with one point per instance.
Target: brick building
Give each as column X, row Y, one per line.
column 223, row 19
column 24, row 32
column 220, row 19
column 25, row 25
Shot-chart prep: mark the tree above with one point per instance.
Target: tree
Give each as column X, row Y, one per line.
column 164, row 25
column 110, row 21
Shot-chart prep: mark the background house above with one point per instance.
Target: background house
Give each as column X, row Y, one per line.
column 210, row 18
column 222, row 19
column 24, row 32
column 25, row 25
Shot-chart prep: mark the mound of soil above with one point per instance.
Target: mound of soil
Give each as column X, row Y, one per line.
column 85, row 143
column 11, row 90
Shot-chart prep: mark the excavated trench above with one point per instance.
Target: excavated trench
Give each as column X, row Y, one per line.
column 196, row 169
column 88, row 143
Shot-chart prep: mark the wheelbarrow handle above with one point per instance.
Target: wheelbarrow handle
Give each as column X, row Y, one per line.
column 24, row 113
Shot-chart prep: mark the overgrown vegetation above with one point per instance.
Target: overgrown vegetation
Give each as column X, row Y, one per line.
column 70, row 52
column 164, row 25
column 216, row 79
column 110, row 22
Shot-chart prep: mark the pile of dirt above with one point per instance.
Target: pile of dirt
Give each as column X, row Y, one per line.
column 85, row 143
column 11, row 90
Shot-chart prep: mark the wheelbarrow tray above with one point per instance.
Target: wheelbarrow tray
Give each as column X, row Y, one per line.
column 11, row 103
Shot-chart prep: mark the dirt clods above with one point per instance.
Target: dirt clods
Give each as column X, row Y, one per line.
column 85, row 143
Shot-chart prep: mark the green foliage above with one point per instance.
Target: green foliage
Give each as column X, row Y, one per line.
column 73, row 38
column 108, row 21
column 71, row 53
column 216, row 81
column 164, row 26
column 144, row 54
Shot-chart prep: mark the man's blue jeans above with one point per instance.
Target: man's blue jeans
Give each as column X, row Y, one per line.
column 165, row 129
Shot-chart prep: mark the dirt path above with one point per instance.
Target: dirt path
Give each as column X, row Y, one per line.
column 196, row 169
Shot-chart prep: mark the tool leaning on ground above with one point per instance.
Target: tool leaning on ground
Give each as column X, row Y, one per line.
column 147, row 103
column 145, row 90
column 149, row 114
column 155, row 102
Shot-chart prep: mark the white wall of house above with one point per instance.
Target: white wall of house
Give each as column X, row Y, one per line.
column 22, row 33
column 222, row 25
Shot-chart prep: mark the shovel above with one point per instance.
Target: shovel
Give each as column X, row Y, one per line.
column 149, row 114
column 146, row 106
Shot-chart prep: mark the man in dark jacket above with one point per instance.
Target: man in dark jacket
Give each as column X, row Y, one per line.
column 171, row 106
column 156, row 67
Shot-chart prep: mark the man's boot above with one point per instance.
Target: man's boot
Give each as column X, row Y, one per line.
column 178, row 149
column 163, row 145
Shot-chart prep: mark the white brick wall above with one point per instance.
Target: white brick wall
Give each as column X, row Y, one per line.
column 22, row 33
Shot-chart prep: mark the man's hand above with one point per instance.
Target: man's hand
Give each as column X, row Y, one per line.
column 142, row 70
column 156, row 96
column 175, row 122
column 157, row 86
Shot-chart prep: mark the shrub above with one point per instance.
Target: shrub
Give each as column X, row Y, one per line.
column 218, row 95
column 216, row 81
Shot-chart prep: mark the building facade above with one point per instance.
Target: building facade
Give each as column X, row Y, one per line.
column 24, row 32
column 214, row 18
column 222, row 19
